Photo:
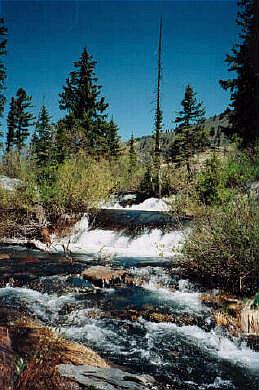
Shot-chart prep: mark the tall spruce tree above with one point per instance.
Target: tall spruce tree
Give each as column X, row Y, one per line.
column 192, row 112
column 244, row 87
column 113, row 139
column 132, row 155
column 42, row 141
column 19, row 120
column 25, row 118
column 3, row 44
column 81, row 99
column 190, row 135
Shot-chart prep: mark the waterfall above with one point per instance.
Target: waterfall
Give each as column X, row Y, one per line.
column 149, row 243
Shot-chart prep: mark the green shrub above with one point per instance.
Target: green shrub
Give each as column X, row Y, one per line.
column 209, row 183
column 25, row 195
column 125, row 180
column 223, row 178
column 240, row 168
column 80, row 183
column 223, row 246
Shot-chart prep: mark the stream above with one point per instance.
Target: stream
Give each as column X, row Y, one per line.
column 184, row 354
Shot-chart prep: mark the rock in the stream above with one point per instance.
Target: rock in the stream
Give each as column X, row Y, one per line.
column 100, row 275
column 151, row 314
column 106, row 378
column 4, row 256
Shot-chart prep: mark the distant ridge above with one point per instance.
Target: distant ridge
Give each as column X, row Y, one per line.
column 214, row 124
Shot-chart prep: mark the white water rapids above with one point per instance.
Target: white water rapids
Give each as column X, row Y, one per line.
column 154, row 243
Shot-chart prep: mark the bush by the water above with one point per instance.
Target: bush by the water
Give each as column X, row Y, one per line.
column 78, row 184
column 223, row 245
column 224, row 177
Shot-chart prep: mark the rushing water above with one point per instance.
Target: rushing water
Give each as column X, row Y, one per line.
column 177, row 354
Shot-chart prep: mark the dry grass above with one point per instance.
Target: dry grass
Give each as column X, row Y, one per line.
column 226, row 321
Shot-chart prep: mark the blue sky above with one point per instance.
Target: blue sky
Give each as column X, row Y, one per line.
column 45, row 37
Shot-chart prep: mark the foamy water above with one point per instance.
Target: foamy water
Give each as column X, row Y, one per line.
column 44, row 306
column 211, row 342
column 109, row 242
column 150, row 204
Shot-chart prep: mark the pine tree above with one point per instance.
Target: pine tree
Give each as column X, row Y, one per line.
column 42, row 141
column 113, row 139
column 190, row 135
column 192, row 112
column 80, row 95
column 22, row 118
column 244, row 87
column 132, row 156
column 81, row 99
column 147, row 184
column 3, row 44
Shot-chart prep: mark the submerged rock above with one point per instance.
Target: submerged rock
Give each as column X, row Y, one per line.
column 149, row 314
column 106, row 378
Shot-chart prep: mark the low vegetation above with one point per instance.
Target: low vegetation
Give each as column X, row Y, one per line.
column 223, row 246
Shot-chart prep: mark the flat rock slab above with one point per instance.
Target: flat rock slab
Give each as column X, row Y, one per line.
column 106, row 378
column 100, row 275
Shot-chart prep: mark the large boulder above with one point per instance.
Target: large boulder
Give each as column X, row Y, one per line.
column 254, row 189
column 9, row 183
column 106, row 378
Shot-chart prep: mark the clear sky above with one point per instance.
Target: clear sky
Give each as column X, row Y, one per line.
column 45, row 37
